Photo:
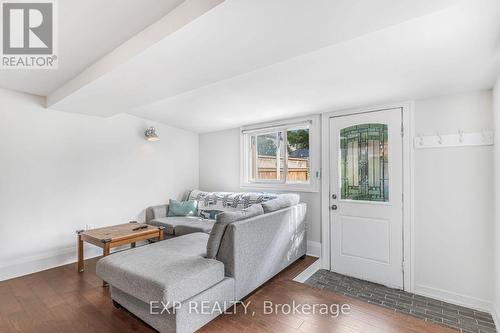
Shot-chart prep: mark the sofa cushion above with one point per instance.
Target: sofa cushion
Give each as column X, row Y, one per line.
column 222, row 220
column 282, row 201
column 169, row 271
column 171, row 222
column 228, row 201
column 194, row 226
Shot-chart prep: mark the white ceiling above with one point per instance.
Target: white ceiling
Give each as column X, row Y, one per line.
column 450, row 51
column 88, row 30
column 250, row 61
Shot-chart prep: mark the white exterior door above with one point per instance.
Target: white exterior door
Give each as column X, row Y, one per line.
column 366, row 190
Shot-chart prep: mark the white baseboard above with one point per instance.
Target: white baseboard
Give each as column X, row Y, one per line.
column 313, row 249
column 49, row 259
column 308, row 272
column 495, row 313
column 43, row 261
column 454, row 298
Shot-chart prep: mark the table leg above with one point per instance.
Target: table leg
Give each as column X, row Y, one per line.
column 132, row 245
column 161, row 234
column 105, row 253
column 81, row 267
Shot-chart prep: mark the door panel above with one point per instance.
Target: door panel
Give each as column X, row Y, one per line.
column 366, row 196
column 365, row 238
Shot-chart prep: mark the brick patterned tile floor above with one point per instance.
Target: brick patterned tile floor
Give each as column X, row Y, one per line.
column 457, row 317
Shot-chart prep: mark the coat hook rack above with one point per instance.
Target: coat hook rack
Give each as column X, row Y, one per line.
column 459, row 139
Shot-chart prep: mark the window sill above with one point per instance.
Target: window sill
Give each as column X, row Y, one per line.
column 280, row 187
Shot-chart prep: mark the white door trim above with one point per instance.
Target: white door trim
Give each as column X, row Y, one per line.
column 408, row 180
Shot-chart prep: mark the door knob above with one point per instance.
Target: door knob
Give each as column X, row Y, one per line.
column 334, row 196
column 334, row 207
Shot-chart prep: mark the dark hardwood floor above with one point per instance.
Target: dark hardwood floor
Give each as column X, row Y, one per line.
column 61, row 300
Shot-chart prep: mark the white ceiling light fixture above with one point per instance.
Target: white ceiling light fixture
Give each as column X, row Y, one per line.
column 151, row 134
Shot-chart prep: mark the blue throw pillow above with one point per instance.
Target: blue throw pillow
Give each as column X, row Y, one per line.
column 182, row 208
column 209, row 214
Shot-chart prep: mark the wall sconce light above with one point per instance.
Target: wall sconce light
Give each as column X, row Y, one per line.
column 151, row 134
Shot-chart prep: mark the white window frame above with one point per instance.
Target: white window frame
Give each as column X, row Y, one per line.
column 313, row 123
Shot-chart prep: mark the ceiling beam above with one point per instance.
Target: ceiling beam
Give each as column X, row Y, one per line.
column 182, row 15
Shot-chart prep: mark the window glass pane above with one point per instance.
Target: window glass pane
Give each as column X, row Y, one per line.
column 364, row 172
column 299, row 163
column 269, row 157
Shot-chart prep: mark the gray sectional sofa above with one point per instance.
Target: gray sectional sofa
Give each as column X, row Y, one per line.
column 253, row 238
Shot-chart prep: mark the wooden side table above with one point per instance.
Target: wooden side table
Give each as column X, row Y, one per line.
column 113, row 236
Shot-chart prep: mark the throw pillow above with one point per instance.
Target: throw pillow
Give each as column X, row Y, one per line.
column 209, row 214
column 182, row 208
column 282, row 201
column 225, row 201
column 221, row 222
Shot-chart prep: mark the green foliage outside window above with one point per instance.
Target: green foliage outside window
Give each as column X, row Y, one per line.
column 266, row 145
column 298, row 139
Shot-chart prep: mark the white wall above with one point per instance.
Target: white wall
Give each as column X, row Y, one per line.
column 454, row 203
column 61, row 171
column 220, row 171
column 496, row 116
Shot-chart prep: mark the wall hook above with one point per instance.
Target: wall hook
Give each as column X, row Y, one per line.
column 482, row 137
column 420, row 140
column 440, row 138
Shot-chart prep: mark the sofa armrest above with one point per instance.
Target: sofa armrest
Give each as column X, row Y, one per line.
column 155, row 212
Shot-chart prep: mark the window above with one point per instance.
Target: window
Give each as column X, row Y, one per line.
column 364, row 170
column 280, row 156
